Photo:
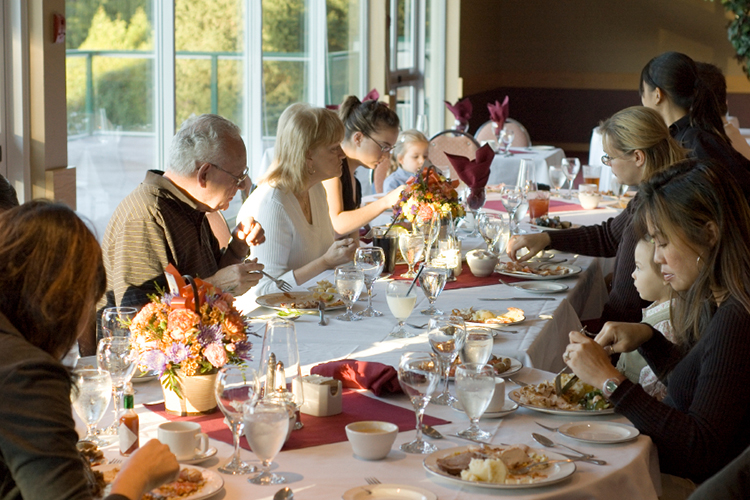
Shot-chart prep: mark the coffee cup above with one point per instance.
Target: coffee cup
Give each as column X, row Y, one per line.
column 498, row 397
column 184, row 439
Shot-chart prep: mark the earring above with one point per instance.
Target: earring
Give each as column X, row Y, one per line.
column 310, row 171
column 698, row 261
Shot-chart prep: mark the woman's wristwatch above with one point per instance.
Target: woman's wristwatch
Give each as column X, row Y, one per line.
column 610, row 386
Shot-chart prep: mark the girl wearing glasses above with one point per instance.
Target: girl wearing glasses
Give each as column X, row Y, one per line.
column 371, row 131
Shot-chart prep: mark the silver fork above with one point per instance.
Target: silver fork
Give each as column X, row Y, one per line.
column 115, row 461
column 283, row 285
column 372, row 480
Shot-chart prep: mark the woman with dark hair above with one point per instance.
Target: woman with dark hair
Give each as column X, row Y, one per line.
column 371, row 131
column 51, row 275
column 671, row 85
column 638, row 145
column 700, row 225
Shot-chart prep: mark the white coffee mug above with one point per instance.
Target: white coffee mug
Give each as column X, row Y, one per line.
column 184, row 439
column 498, row 398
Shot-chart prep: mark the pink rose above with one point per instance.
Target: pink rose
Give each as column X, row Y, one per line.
column 215, row 354
column 221, row 306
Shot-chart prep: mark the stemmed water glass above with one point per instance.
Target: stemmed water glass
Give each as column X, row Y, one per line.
column 477, row 347
column 475, row 385
column 557, row 178
column 570, row 167
column 429, row 227
column 90, row 395
column 512, row 197
column 236, row 386
column 266, row 426
column 506, row 138
column 401, row 302
column 617, row 188
column 114, row 354
column 432, row 280
column 412, row 248
column 279, row 368
column 349, row 281
column 473, row 205
column 418, row 377
column 495, row 232
column 116, row 321
column 370, row 261
column 446, row 334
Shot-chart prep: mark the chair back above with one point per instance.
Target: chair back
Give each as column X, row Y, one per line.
column 521, row 139
column 380, row 173
column 455, row 143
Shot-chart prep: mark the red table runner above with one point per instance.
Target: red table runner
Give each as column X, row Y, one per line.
column 317, row 430
column 465, row 280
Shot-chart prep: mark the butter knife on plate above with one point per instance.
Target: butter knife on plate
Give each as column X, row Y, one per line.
column 515, row 298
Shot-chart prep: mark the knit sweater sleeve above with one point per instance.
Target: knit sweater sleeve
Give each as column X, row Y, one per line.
column 599, row 240
column 703, row 422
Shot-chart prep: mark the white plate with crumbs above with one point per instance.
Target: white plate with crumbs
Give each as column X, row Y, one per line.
column 540, row 287
column 599, row 432
column 389, row 492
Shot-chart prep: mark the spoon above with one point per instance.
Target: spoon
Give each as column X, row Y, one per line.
column 285, row 493
column 586, row 457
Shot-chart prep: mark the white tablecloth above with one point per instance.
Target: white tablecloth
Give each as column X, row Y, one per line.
column 504, row 169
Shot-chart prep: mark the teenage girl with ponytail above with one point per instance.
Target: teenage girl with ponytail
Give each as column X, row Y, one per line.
column 371, row 131
column 671, row 85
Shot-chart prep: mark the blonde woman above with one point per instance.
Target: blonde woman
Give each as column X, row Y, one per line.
column 291, row 202
column 637, row 145
column 371, row 134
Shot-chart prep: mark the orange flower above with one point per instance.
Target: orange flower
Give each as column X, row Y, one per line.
column 181, row 322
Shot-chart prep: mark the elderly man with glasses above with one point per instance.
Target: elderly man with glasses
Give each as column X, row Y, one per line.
column 163, row 221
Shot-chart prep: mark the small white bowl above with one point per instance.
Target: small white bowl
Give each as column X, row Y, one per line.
column 589, row 201
column 481, row 262
column 371, row 439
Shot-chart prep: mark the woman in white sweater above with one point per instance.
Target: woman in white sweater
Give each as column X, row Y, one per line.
column 290, row 201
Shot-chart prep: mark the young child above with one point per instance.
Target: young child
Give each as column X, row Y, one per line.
column 409, row 156
column 650, row 286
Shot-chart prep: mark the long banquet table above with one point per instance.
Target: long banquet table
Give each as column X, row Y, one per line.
column 327, row 471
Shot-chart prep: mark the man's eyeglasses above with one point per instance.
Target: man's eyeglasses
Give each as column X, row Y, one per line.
column 607, row 160
column 239, row 180
column 384, row 148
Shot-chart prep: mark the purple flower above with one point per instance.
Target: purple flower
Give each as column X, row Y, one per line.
column 167, row 298
column 209, row 334
column 176, row 353
column 242, row 350
column 154, row 360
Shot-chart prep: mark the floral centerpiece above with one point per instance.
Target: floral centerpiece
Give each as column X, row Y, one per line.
column 179, row 343
column 429, row 192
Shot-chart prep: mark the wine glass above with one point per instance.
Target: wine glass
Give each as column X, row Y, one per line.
column 526, row 179
column 280, row 365
column 446, row 334
column 116, row 321
column 570, row 167
column 412, row 248
column 90, row 395
column 432, row 280
column 370, row 260
column 473, row 205
column 475, row 385
column 506, row 138
column 236, row 385
column 556, row 178
column 428, row 225
column 349, row 280
column 495, row 231
column 266, row 426
column 114, row 354
column 618, row 189
column 418, row 378
column 512, row 198
column 401, row 305
column 477, row 347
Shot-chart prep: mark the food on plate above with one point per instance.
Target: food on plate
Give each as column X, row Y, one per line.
column 514, row 315
column 580, row 397
column 308, row 300
column 494, row 464
column 501, row 365
column 543, row 270
column 90, row 453
column 324, row 290
column 189, row 482
column 552, row 222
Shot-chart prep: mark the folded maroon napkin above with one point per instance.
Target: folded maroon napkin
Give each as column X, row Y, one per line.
column 377, row 377
column 461, row 110
column 372, row 95
column 498, row 112
column 474, row 173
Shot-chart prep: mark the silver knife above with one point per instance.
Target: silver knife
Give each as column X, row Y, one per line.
column 516, row 298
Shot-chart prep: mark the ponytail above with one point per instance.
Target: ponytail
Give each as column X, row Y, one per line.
column 367, row 117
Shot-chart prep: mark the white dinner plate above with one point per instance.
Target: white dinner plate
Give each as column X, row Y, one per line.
column 200, row 458
column 273, row 300
column 388, row 491
column 572, row 271
column 545, row 228
column 554, row 474
column 213, row 485
column 541, row 148
column 599, row 432
column 541, row 287
column 508, row 408
column 515, row 396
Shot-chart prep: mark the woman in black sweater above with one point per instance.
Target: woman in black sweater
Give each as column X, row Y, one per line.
column 701, row 228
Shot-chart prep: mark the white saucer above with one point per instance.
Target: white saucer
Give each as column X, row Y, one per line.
column 540, row 287
column 508, row 408
column 388, row 491
column 599, row 432
column 200, row 458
